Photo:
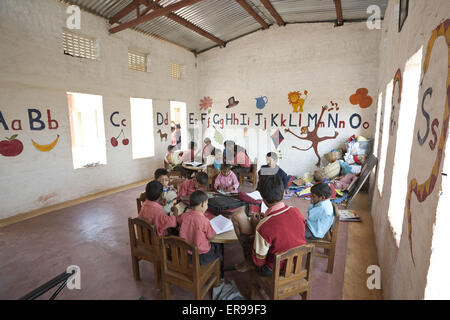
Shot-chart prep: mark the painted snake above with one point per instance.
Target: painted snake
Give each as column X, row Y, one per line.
column 422, row 191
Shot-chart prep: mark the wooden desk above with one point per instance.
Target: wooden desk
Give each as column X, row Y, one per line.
column 226, row 237
column 222, row 239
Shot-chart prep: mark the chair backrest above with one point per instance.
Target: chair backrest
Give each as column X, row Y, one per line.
column 143, row 236
column 335, row 226
column 175, row 257
column 139, row 201
column 294, row 269
column 255, row 166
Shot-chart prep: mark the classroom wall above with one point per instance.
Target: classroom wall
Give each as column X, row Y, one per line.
column 329, row 63
column 35, row 74
column 404, row 267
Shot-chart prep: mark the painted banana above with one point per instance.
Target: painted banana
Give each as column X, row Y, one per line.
column 45, row 147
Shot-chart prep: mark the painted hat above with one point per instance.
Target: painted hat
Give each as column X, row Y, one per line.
column 232, row 102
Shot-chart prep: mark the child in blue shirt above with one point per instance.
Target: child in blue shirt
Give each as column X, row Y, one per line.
column 320, row 212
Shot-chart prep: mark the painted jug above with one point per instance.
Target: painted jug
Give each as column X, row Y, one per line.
column 261, row 102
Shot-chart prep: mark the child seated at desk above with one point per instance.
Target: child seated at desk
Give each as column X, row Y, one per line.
column 320, row 212
column 200, row 182
column 152, row 210
column 226, row 181
column 196, row 229
column 169, row 195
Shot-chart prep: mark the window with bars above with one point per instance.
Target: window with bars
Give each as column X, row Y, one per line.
column 137, row 61
column 176, row 70
column 79, row 46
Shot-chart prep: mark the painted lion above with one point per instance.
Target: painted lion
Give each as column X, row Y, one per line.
column 296, row 100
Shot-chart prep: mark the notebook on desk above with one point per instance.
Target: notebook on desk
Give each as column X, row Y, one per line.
column 220, row 224
column 193, row 164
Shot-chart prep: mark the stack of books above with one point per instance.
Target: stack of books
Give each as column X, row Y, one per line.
column 348, row 215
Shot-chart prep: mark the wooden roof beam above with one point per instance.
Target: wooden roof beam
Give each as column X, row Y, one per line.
column 340, row 16
column 154, row 14
column 252, row 12
column 122, row 13
column 273, row 12
column 174, row 17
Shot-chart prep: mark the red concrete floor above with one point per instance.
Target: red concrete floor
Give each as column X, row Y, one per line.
column 94, row 236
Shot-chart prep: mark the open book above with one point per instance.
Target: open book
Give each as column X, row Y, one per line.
column 220, row 224
column 348, row 215
column 194, row 164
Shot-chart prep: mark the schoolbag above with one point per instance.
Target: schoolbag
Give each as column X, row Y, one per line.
column 221, row 204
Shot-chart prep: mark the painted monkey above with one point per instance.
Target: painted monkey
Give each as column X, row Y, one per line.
column 312, row 136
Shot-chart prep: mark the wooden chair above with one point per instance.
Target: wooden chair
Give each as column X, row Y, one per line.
column 252, row 175
column 177, row 270
column 328, row 243
column 294, row 279
column 145, row 245
column 139, row 201
column 172, row 173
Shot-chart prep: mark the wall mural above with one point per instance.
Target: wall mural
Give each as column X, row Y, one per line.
column 11, row 147
column 261, row 102
column 162, row 135
column 393, row 121
column 428, row 92
column 218, row 137
column 123, row 122
column 313, row 137
column 45, row 147
column 232, row 103
column 206, row 104
column 361, row 98
column 296, row 101
column 115, row 140
column 277, row 138
column 423, row 190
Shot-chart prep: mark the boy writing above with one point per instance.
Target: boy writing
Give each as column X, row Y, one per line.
column 200, row 182
column 153, row 212
column 282, row 228
column 196, row 229
column 320, row 212
column 226, row 181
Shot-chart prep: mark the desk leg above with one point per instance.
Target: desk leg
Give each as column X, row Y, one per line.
column 222, row 264
column 222, row 269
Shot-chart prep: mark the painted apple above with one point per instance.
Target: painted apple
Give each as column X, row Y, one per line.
column 125, row 142
column 11, row 147
column 114, row 142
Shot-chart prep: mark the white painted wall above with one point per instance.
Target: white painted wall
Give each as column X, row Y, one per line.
column 331, row 63
column 401, row 277
column 34, row 73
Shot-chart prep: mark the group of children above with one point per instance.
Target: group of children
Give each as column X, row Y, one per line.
column 162, row 209
column 281, row 227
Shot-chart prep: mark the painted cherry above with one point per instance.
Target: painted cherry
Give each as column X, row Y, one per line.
column 11, row 147
column 114, row 141
column 125, row 142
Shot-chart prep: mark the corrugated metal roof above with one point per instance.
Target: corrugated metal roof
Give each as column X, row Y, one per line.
column 226, row 19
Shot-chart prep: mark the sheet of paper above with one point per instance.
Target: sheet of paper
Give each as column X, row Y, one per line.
column 220, row 224
column 263, row 207
column 194, row 163
column 255, row 195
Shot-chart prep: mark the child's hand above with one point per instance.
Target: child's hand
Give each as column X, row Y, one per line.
column 174, row 211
